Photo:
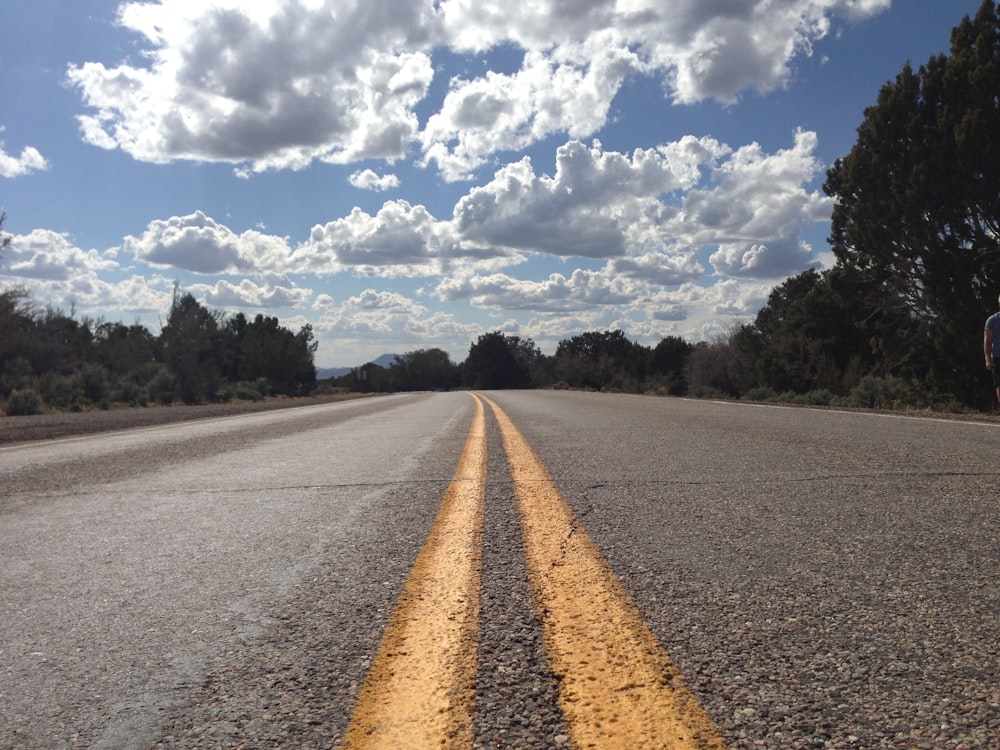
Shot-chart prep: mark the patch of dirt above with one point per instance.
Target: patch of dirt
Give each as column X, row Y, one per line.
column 58, row 425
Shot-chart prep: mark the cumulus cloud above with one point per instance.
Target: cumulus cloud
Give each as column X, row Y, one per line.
column 200, row 244
column 273, row 85
column 581, row 290
column 367, row 179
column 47, row 255
column 385, row 318
column 280, row 85
column 30, row 160
column 599, row 204
column 755, row 209
column 249, row 294
column 399, row 240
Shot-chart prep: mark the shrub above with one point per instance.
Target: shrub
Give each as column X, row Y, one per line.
column 246, row 392
column 62, row 392
column 23, row 402
column 819, row 397
column 129, row 392
column 880, row 393
column 162, row 387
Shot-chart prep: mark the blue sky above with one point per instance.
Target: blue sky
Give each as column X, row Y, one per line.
column 407, row 174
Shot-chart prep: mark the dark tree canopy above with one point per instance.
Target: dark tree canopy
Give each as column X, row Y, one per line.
column 917, row 209
column 263, row 348
column 424, row 370
column 497, row 360
column 193, row 348
column 599, row 359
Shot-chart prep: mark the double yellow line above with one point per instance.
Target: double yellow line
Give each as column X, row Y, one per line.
column 617, row 687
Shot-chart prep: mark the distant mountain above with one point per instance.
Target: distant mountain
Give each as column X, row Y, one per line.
column 324, row 373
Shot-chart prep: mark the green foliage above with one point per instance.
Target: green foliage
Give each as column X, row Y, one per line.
column 917, row 217
column 424, row 370
column 709, row 369
column 23, row 402
column 497, row 360
column 265, row 350
column 604, row 360
column 123, row 350
column 193, row 350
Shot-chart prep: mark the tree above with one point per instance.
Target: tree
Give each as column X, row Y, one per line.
column 917, row 213
column 669, row 362
column 497, row 360
column 123, row 350
column 601, row 359
column 808, row 336
column 424, row 370
column 16, row 324
column 266, row 349
column 193, row 348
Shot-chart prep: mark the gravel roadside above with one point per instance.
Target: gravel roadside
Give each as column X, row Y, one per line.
column 23, row 429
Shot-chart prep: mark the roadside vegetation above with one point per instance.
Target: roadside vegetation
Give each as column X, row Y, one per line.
column 895, row 323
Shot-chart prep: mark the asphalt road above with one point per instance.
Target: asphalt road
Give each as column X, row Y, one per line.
column 819, row 579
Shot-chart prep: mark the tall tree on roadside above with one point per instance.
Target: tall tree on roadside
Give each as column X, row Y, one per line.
column 497, row 360
column 424, row 370
column 807, row 336
column 599, row 359
column 193, row 349
column 917, row 214
column 266, row 349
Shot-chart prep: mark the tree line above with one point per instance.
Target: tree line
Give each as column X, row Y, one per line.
column 51, row 360
column 894, row 323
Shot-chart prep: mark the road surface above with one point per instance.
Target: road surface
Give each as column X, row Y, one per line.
column 785, row 577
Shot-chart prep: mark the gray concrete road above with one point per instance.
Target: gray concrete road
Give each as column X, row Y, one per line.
column 129, row 561
column 821, row 579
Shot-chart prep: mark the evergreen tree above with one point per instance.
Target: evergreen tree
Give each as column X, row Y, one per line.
column 497, row 360
column 917, row 214
column 193, row 349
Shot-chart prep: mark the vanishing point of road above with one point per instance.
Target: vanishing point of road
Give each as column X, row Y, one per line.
column 505, row 569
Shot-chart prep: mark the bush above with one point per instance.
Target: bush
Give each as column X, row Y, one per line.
column 820, row 397
column 62, row 392
column 22, row 403
column 880, row 393
column 162, row 387
column 245, row 392
column 129, row 392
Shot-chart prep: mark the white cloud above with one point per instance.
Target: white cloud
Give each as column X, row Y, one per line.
column 599, row 204
column 755, row 210
column 400, row 240
column 649, row 214
column 581, row 290
column 367, row 179
column 279, row 85
column 30, row 160
column 575, row 63
column 199, row 244
column 510, row 112
column 377, row 322
column 47, row 255
column 273, row 85
column 249, row 294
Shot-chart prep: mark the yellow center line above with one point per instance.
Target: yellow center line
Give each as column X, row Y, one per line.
column 420, row 689
column 618, row 688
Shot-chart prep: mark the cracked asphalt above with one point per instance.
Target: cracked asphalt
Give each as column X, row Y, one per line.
column 820, row 579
